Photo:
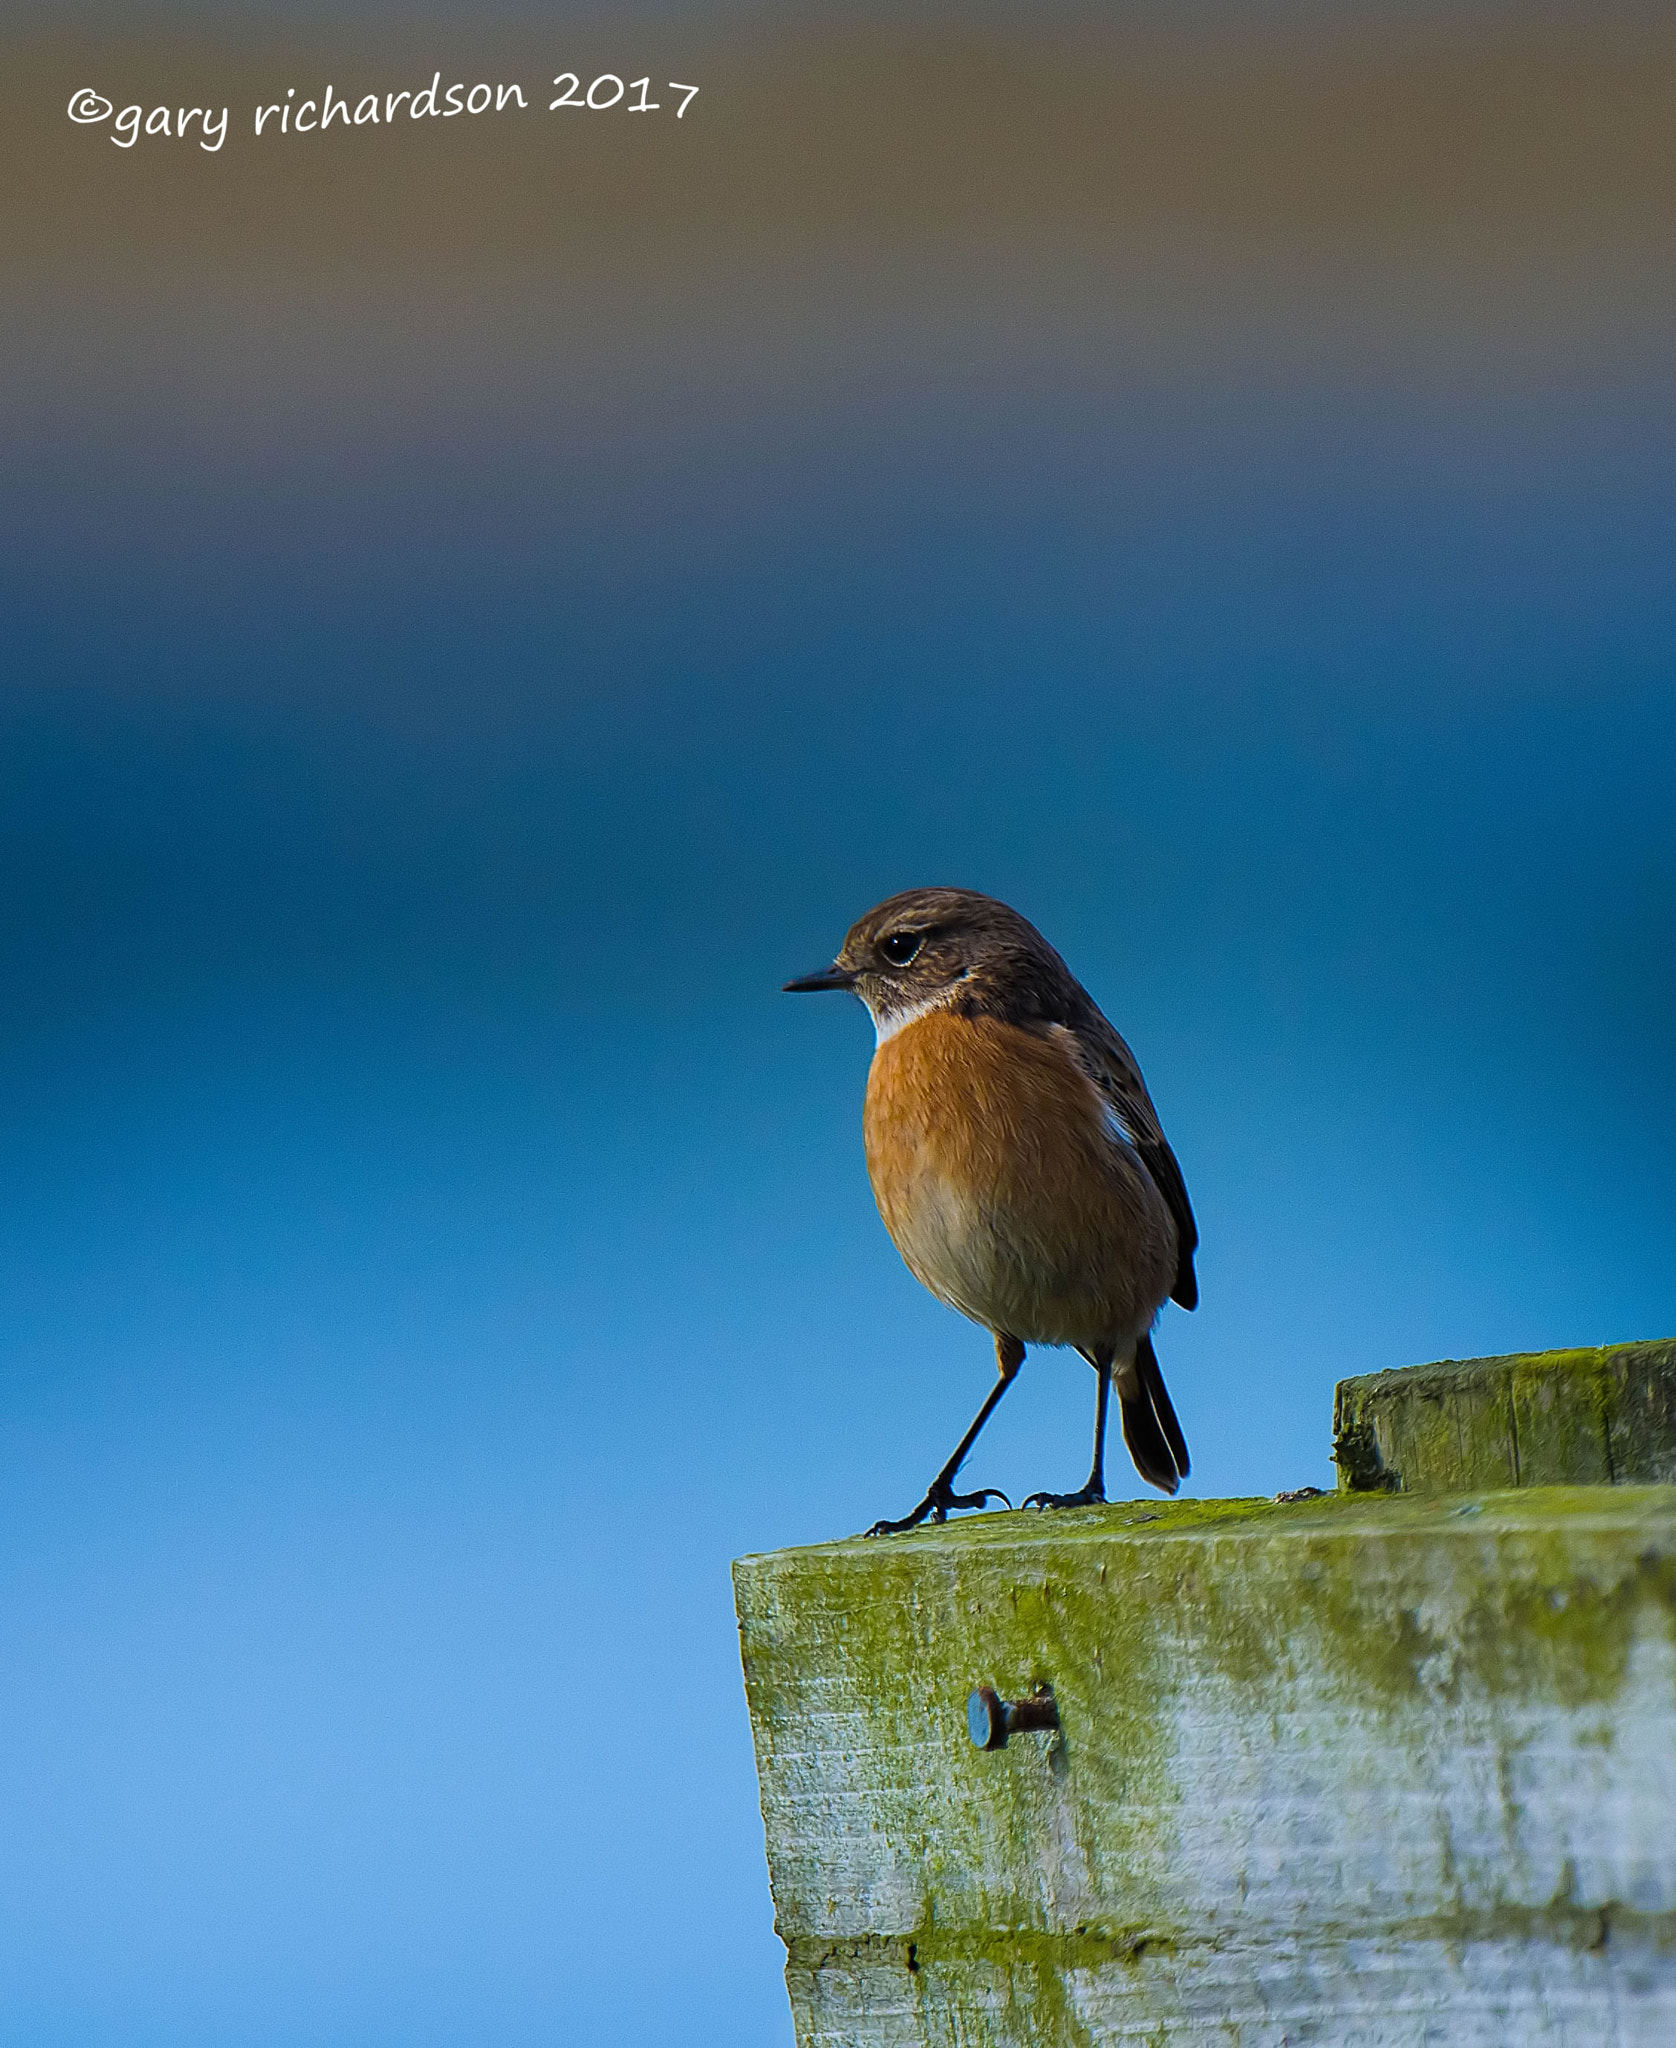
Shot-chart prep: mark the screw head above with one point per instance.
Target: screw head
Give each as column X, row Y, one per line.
column 986, row 1719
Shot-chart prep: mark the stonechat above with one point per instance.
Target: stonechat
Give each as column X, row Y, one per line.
column 1019, row 1165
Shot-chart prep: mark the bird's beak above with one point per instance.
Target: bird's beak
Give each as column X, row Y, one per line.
column 828, row 977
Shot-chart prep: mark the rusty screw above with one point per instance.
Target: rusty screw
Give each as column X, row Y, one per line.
column 991, row 1719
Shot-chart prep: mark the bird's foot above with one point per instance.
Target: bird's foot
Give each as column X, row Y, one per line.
column 1090, row 1496
column 938, row 1504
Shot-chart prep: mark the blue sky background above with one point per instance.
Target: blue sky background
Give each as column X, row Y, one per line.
column 466, row 648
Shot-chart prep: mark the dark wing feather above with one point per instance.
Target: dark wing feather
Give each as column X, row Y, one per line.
column 1114, row 1070
column 1160, row 1162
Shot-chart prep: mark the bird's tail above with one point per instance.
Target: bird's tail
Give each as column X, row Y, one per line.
column 1150, row 1428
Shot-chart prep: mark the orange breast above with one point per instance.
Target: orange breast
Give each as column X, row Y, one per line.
column 1004, row 1188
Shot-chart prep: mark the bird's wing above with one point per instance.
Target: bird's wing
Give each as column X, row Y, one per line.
column 1115, row 1072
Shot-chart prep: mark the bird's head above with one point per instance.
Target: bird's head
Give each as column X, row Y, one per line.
column 929, row 949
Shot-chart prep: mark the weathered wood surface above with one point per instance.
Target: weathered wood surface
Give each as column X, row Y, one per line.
column 1539, row 1418
column 1367, row 1772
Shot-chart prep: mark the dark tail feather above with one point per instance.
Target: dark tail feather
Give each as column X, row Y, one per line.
column 1148, row 1445
column 1146, row 1359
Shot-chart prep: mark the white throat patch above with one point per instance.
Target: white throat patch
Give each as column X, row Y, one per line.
column 889, row 1022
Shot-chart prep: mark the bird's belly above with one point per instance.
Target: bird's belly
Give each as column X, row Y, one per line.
column 1004, row 1192
column 952, row 1246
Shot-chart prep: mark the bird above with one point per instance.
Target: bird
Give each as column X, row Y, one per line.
column 1019, row 1166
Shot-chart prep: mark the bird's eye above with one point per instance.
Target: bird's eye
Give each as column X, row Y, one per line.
column 900, row 947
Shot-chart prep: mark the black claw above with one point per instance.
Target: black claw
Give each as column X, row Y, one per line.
column 1089, row 1497
column 936, row 1507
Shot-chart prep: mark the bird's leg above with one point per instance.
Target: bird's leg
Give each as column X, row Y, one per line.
column 940, row 1496
column 1094, row 1493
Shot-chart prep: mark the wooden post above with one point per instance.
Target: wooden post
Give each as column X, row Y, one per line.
column 1543, row 1418
column 1365, row 1770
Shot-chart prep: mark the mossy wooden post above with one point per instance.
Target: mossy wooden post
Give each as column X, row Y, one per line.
column 1370, row 1771
column 1541, row 1418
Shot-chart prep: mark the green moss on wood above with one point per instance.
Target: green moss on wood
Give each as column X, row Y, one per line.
column 1080, row 1599
column 1551, row 1418
column 1221, row 1668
